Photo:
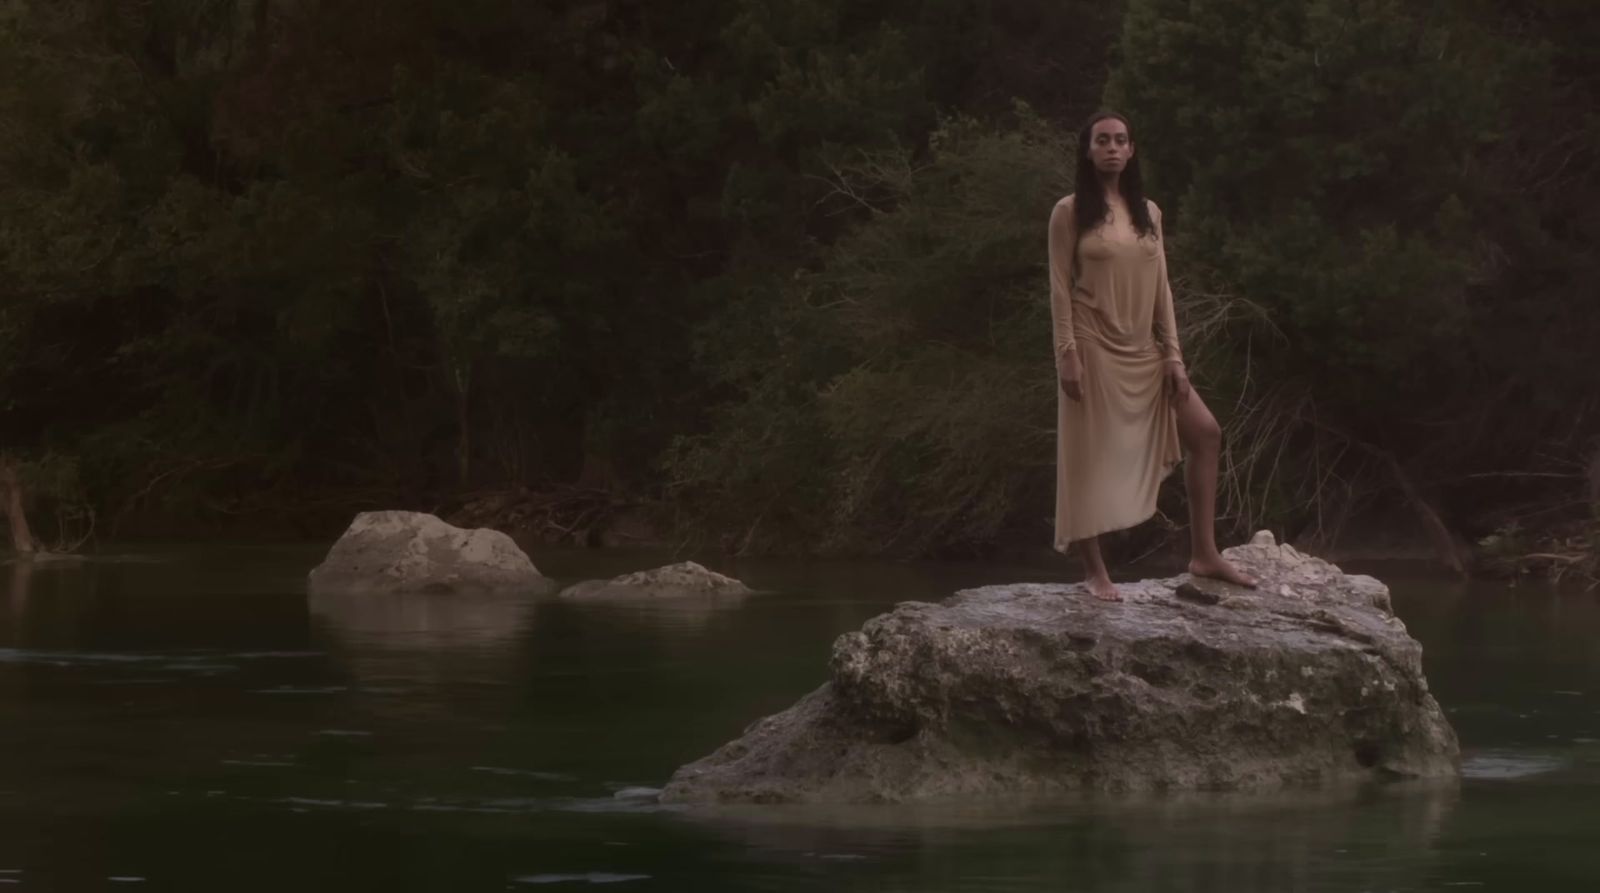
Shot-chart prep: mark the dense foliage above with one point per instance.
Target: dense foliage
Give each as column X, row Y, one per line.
column 779, row 262
column 1407, row 191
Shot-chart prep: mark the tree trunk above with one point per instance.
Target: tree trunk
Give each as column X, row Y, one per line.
column 11, row 504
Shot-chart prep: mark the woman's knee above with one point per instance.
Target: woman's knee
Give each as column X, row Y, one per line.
column 1204, row 432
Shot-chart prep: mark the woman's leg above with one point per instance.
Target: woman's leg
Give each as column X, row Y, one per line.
column 1095, row 576
column 1201, row 437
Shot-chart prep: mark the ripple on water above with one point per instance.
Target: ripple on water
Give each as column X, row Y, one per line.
column 525, row 773
column 637, row 792
column 576, row 804
column 591, row 877
column 301, row 690
column 498, row 805
column 68, row 658
column 1509, row 766
column 530, row 805
column 323, row 803
column 259, row 762
column 200, row 661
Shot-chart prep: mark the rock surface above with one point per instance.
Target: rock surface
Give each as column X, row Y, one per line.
column 1037, row 689
column 412, row 551
column 683, row 580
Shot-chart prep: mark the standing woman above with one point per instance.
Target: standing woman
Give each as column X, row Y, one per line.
column 1126, row 414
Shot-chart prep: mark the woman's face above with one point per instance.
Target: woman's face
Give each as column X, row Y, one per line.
column 1110, row 146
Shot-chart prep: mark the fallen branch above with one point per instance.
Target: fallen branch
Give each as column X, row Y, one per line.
column 1555, row 556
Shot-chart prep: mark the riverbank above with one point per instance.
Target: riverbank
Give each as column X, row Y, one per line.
column 1564, row 549
column 1531, row 544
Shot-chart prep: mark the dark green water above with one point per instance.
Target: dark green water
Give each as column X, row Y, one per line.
column 185, row 719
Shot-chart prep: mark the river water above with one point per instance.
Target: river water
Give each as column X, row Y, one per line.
column 187, row 719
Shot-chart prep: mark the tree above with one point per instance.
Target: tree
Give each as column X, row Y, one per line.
column 1344, row 166
column 11, row 502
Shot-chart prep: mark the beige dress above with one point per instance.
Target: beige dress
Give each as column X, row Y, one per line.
column 1110, row 299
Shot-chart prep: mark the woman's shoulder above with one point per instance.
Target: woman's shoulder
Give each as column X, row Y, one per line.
column 1062, row 211
column 1155, row 209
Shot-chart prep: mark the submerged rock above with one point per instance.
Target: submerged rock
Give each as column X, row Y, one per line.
column 412, row 551
column 1034, row 689
column 683, row 580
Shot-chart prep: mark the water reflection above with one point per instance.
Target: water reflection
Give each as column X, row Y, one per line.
column 422, row 619
column 17, row 600
column 421, row 656
column 673, row 618
column 1223, row 842
column 46, row 603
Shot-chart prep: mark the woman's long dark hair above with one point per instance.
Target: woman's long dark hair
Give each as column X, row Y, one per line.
column 1089, row 206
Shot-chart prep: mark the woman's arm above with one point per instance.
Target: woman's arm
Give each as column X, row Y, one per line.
column 1166, row 317
column 1063, row 257
column 1063, row 269
column 1166, row 321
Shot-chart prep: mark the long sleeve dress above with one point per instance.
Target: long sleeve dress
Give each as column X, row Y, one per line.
column 1110, row 299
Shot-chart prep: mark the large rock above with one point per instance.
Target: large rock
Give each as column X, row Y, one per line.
column 675, row 581
column 412, row 551
column 1039, row 689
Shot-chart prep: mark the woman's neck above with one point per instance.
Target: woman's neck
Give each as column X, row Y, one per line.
column 1111, row 187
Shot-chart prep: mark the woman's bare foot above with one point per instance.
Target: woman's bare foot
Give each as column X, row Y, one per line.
column 1101, row 587
column 1217, row 568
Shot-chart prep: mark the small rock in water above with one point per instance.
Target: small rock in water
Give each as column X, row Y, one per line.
column 683, row 580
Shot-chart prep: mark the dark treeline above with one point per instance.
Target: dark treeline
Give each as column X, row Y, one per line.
column 778, row 264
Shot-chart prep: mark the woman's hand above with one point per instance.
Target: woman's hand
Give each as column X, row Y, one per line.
column 1071, row 373
column 1177, row 382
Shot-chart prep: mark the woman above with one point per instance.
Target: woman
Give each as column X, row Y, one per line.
column 1125, row 408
